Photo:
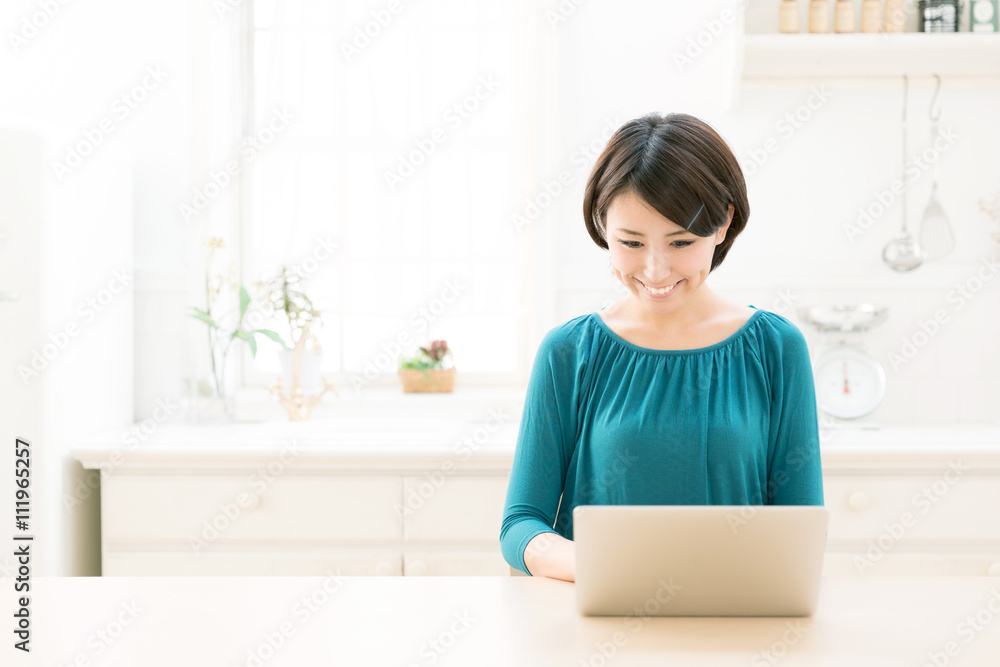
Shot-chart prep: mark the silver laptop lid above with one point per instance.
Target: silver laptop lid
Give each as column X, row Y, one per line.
column 714, row 560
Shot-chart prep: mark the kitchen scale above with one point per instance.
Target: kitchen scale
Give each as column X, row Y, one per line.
column 850, row 383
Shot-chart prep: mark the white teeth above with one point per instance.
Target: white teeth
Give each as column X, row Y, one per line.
column 659, row 292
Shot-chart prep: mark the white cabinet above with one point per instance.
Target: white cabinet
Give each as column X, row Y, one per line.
column 187, row 525
column 184, row 510
column 912, row 509
column 901, row 503
column 378, row 504
column 468, row 508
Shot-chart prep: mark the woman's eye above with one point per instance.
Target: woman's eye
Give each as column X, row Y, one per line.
column 637, row 244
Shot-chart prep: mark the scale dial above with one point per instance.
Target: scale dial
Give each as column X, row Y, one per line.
column 982, row 12
column 849, row 383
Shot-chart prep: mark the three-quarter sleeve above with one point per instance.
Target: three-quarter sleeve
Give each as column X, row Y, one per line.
column 794, row 466
column 545, row 444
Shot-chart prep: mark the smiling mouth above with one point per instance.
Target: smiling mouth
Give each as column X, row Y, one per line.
column 661, row 292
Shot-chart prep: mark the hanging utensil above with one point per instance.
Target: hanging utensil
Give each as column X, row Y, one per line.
column 903, row 253
column 936, row 237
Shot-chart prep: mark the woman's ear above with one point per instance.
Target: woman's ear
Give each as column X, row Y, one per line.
column 720, row 233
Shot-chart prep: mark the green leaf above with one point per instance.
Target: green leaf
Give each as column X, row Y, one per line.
column 253, row 345
column 243, row 335
column 202, row 316
column 244, row 301
column 273, row 336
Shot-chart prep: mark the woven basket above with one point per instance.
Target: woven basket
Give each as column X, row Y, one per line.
column 439, row 381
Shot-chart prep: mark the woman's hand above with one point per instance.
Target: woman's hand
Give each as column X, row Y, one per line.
column 551, row 555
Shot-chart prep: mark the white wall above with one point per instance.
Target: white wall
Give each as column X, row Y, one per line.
column 803, row 197
column 67, row 70
column 604, row 63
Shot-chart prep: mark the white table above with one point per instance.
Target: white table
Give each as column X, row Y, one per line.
column 477, row 621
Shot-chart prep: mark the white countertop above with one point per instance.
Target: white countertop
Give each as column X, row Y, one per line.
column 486, row 621
column 484, row 443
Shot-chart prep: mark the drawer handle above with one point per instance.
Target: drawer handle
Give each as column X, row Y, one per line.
column 859, row 501
column 994, row 570
column 417, row 568
column 384, row 569
column 248, row 501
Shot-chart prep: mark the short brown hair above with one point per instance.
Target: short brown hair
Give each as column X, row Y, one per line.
column 677, row 164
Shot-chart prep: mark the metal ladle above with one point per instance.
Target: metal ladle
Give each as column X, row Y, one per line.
column 936, row 237
column 903, row 253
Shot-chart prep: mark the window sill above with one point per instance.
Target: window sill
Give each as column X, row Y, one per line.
column 464, row 404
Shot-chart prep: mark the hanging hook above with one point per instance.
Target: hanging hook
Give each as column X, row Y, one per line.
column 937, row 89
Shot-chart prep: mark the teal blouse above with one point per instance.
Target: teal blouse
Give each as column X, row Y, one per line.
column 606, row 422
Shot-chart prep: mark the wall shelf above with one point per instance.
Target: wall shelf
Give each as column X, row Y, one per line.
column 856, row 55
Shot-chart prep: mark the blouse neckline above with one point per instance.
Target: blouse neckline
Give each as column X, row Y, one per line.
column 696, row 350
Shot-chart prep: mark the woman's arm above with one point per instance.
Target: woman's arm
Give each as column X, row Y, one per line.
column 544, row 448
column 551, row 555
column 795, row 471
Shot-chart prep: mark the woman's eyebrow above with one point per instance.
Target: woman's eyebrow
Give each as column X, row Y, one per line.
column 629, row 231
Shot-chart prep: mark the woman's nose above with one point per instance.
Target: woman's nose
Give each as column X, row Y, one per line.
column 657, row 267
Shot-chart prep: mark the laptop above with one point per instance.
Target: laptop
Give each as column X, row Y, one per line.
column 698, row 560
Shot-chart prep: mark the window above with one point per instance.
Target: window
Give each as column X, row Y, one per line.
column 398, row 132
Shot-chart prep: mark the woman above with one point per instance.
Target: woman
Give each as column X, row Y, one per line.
column 674, row 395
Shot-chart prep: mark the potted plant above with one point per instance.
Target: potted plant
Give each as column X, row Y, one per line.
column 430, row 369
column 285, row 294
column 222, row 333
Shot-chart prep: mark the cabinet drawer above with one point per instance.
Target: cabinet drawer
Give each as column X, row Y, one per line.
column 250, row 564
column 221, row 509
column 455, row 508
column 958, row 508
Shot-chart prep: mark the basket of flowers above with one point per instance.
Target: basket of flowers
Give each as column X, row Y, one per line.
column 430, row 369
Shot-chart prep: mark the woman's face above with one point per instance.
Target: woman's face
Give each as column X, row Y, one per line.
column 648, row 251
